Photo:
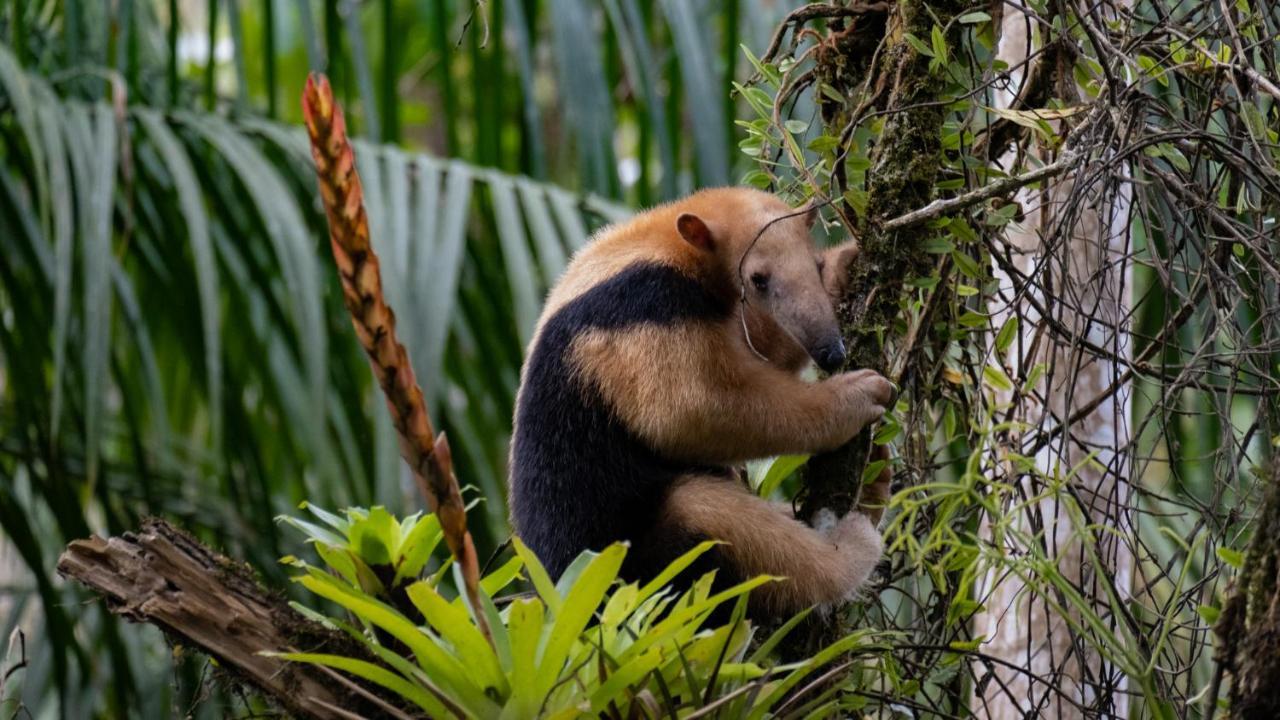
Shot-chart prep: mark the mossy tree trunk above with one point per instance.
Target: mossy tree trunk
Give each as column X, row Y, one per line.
column 897, row 81
column 902, row 178
column 1249, row 629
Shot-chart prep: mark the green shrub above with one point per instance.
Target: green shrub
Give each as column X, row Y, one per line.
column 585, row 644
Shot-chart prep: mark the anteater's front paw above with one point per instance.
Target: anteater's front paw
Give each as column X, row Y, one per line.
column 860, row 398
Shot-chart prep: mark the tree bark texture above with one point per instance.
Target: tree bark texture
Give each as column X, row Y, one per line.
column 1249, row 629
column 903, row 176
column 163, row 576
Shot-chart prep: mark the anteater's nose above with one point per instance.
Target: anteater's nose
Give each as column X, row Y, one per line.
column 830, row 356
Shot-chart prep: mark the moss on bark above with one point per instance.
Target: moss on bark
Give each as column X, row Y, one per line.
column 1250, row 626
column 903, row 176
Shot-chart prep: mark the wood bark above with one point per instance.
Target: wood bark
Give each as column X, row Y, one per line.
column 904, row 173
column 897, row 81
column 1249, row 629
column 163, row 576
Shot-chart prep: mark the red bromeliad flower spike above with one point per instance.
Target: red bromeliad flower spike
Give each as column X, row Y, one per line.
column 375, row 326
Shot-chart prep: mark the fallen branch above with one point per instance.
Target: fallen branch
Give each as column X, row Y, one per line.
column 163, row 576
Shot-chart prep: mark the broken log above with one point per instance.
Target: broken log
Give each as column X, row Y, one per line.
column 200, row 598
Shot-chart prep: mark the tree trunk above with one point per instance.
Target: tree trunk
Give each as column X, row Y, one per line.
column 1249, row 629
column 163, row 576
column 1068, row 254
column 905, row 165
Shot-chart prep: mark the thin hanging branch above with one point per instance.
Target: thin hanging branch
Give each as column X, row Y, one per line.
column 375, row 325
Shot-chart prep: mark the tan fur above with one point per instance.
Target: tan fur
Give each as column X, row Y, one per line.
column 734, row 216
column 819, row 568
column 698, row 394
column 835, row 267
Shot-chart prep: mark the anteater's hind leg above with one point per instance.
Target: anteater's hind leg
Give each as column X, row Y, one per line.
column 821, row 567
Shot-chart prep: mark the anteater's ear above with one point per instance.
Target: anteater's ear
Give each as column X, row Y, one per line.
column 811, row 214
column 836, row 262
column 695, row 232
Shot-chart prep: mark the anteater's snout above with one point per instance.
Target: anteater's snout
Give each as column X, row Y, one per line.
column 830, row 356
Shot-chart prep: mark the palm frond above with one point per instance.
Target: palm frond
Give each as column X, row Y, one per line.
column 208, row 355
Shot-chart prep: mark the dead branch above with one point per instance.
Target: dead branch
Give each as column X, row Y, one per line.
column 163, row 576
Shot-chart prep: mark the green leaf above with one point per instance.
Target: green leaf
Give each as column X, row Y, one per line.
column 337, row 522
column 937, row 245
column 994, row 377
column 1232, row 557
column 873, row 470
column 703, row 86
column 780, row 468
column 967, row 265
column 644, row 72
column 350, row 567
column 973, row 18
column 551, row 248
column 519, row 261
column 918, row 45
column 1209, row 613
column 376, row 537
column 499, row 579
column 796, row 127
column 580, row 70
column 1008, row 332
column 538, row 576
column 444, row 265
column 96, row 272
column 191, row 203
column 824, row 143
column 579, row 606
column 313, row 531
column 965, row 645
column 374, row 674
column 1033, row 378
column 455, row 625
column 889, row 430
column 939, row 42
column 63, row 216
column 524, row 625
column 417, row 545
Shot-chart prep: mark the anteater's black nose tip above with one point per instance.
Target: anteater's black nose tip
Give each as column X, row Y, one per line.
column 830, row 356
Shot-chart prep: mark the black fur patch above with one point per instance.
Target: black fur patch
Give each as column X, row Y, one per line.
column 579, row 478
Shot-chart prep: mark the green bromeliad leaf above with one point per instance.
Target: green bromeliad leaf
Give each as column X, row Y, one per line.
column 585, row 644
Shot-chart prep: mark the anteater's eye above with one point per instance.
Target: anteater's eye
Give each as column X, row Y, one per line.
column 760, row 280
